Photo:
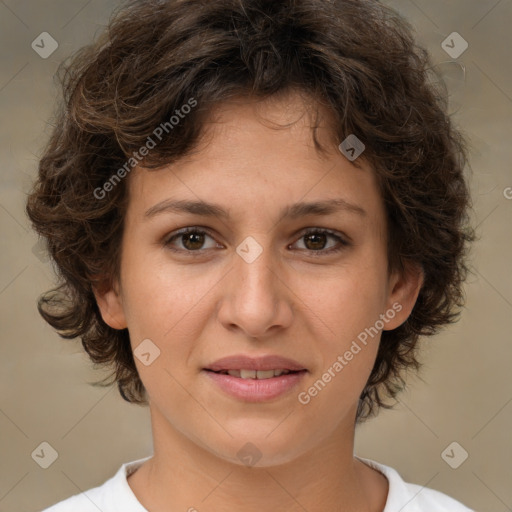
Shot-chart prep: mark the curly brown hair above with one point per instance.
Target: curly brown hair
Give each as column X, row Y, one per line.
column 358, row 58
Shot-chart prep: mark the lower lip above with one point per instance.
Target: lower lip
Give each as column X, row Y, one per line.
column 256, row 390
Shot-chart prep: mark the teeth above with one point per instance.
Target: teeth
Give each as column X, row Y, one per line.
column 266, row 374
column 257, row 374
column 248, row 374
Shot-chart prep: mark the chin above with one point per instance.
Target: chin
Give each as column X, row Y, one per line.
column 260, row 449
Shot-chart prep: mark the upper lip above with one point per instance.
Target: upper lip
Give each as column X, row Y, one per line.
column 243, row 362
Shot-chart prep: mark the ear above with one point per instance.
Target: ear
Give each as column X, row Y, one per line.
column 110, row 304
column 404, row 288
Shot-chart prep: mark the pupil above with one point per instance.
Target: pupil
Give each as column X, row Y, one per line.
column 193, row 238
column 316, row 237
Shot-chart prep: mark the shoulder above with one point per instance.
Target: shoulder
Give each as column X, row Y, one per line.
column 108, row 497
column 431, row 500
column 78, row 502
column 409, row 497
column 87, row 501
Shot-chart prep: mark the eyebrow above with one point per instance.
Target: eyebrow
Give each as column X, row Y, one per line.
column 202, row 208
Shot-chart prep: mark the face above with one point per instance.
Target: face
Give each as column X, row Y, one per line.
column 264, row 277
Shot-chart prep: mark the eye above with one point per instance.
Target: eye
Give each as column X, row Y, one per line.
column 316, row 239
column 191, row 239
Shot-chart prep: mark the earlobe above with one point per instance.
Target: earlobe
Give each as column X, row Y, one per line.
column 404, row 290
column 111, row 307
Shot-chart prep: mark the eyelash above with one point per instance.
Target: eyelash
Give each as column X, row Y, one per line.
column 341, row 241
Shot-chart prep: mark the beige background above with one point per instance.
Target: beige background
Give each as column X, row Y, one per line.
column 465, row 394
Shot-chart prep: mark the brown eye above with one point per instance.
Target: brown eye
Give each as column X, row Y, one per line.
column 315, row 241
column 190, row 239
column 193, row 241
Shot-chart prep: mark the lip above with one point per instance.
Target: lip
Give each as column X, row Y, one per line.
column 256, row 390
column 243, row 362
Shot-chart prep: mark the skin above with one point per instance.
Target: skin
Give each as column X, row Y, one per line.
column 287, row 302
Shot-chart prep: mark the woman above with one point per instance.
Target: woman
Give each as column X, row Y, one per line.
column 257, row 208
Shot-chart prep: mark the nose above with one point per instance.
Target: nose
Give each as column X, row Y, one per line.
column 256, row 299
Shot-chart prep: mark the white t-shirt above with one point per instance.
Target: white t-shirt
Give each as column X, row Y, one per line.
column 115, row 495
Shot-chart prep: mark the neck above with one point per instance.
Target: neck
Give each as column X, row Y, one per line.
column 182, row 475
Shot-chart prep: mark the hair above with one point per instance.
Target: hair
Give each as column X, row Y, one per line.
column 357, row 58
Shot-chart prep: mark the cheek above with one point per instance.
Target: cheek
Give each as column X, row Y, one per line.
column 345, row 301
column 168, row 304
column 342, row 315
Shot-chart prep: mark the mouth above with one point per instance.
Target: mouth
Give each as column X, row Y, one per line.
column 248, row 366
column 247, row 385
column 255, row 379
column 256, row 374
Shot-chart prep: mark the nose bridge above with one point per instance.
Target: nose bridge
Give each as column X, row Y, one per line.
column 255, row 268
column 254, row 302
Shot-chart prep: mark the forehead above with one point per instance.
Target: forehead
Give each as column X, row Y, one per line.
column 255, row 155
